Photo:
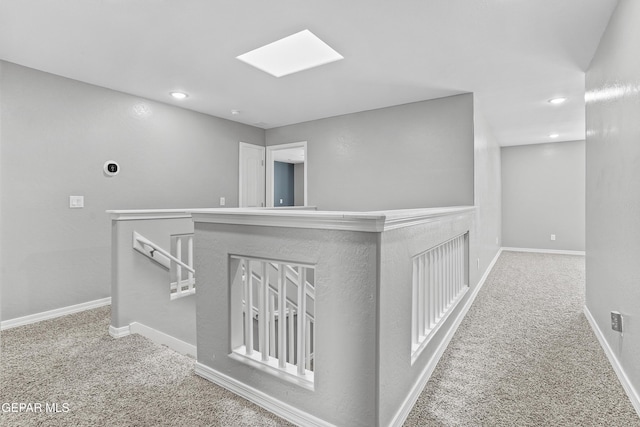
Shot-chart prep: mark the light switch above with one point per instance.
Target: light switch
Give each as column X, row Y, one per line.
column 76, row 202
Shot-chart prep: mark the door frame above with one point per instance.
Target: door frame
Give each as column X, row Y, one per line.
column 270, row 168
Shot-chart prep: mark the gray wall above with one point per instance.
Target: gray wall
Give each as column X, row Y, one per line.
column 485, row 236
column 345, row 380
column 407, row 156
column 543, row 193
column 613, row 186
column 56, row 135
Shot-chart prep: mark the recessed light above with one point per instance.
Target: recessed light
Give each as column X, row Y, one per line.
column 179, row 95
column 554, row 135
column 557, row 101
column 297, row 52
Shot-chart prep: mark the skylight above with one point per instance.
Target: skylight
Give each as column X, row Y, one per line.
column 297, row 52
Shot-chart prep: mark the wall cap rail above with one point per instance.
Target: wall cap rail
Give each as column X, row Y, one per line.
column 143, row 214
column 374, row 221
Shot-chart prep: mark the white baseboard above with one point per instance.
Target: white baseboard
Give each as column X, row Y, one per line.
column 544, row 251
column 52, row 314
column 271, row 404
column 411, row 399
column 633, row 395
column 156, row 336
column 119, row 332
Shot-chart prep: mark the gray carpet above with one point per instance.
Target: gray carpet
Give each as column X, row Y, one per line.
column 524, row 355
column 107, row 382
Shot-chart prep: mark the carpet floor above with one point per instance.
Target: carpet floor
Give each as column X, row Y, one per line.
column 523, row 356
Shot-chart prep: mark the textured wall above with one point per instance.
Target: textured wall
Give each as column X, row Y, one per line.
column 485, row 238
column 408, row 156
column 140, row 289
column 56, row 135
column 346, row 283
column 613, row 185
column 543, row 193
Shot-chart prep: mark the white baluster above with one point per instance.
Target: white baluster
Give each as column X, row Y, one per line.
column 423, row 298
column 272, row 324
column 190, row 260
column 450, row 272
column 282, row 316
column 291, row 340
column 263, row 313
column 307, row 344
column 415, row 310
column 302, row 311
column 248, row 298
column 178, row 266
column 432, row 292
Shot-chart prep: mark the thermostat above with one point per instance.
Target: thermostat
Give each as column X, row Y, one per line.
column 111, row 168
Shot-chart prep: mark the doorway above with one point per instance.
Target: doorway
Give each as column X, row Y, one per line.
column 286, row 174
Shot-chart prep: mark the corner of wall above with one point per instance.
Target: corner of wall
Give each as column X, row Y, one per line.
column 487, row 196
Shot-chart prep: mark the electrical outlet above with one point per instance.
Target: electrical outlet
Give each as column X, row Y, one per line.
column 553, row 237
column 497, row 241
column 616, row 321
column 222, row 201
column 478, row 263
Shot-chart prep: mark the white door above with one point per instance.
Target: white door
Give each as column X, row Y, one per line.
column 251, row 177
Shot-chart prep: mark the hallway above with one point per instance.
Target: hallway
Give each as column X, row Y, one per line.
column 526, row 355
column 523, row 356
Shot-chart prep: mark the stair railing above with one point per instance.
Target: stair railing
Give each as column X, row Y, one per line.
column 181, row 287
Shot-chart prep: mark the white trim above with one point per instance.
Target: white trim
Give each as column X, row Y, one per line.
column 411, row 217
column 156, row 336
column 271, row 404
column 119, row 332
column 633, row 395
column 143, row 214
column 376, row 221
column 348, row 221
column 414, row 393
column 52, row 314
column 544, row 251
column 270, row 166
column 271, row 367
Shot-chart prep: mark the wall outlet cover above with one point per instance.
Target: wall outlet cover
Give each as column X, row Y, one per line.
column 616, row 321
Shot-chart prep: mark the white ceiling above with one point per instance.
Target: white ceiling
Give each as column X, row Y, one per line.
column 514, row 54
column 289, row 155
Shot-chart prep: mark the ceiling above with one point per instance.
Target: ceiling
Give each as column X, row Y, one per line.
column 289, row 155
column 513, row 54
